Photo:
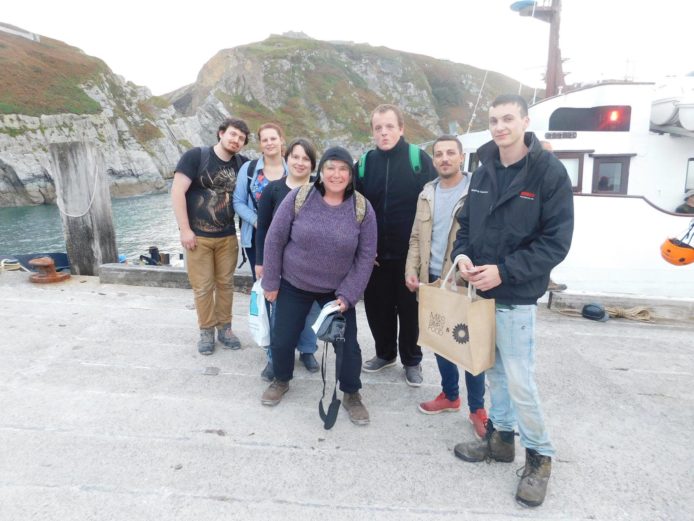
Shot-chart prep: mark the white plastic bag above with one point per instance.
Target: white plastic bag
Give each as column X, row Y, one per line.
column 258, row 319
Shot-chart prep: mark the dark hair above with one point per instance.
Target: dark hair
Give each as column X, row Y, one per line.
column 447, row 137
column 238, row 124
column 385, row 107
column 308, row 148
column 514, row 99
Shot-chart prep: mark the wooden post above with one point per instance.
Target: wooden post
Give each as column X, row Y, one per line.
column 82, row 195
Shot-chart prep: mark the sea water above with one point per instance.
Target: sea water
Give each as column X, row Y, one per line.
column 140, row 222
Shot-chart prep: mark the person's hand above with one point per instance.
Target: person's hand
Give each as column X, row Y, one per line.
column 485, row 277
column 343, row 304
column 412, row 282
column 466, row 267
column 188, row 239
column 258, row 272
column 376, row 263
column 271, row 296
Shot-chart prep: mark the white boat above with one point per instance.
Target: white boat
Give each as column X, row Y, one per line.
column 629, row 175
column 685, row 109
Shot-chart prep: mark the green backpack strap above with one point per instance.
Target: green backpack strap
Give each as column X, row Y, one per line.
column 301, row 197
column 415, row 162
column 362, row 164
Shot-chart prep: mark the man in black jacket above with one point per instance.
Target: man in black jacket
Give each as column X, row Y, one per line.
column 516, row 225
column 392, row 186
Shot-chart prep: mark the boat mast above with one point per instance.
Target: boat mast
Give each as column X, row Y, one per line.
column 548, row 12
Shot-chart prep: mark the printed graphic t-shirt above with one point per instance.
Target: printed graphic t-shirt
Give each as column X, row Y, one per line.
column 209, row 198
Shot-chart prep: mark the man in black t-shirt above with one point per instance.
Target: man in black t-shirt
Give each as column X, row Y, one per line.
column 202, row 192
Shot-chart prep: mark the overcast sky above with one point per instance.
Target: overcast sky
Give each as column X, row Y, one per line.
column 163, row 44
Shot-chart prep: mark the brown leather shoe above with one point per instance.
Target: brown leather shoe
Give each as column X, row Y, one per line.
column 355, row 408
column 273, row 394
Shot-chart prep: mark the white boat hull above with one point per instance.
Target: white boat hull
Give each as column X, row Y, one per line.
column 616, row 249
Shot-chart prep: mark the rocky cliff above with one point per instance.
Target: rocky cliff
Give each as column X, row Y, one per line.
column 51, row 93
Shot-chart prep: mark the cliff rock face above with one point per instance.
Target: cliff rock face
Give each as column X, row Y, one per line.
column 326, row 90
column 53, row 93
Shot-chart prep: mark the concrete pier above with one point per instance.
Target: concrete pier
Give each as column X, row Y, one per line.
column 109, row 413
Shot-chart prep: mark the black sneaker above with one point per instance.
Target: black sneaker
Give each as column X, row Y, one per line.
column 310, row 362
column 376, row 364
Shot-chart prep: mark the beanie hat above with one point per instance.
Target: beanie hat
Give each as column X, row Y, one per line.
column 336, row 154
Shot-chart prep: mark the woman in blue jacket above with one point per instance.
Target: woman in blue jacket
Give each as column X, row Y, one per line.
column 250, row 184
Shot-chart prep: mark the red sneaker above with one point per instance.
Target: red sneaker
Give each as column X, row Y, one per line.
column 479, row 422
column 440, row 404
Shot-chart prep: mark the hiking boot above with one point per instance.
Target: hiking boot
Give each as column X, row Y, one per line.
column 413, row 375
column 376, row 364
column 553, row 286
column 440, row 404
column 273, row 394
column 228, row 339
column 479, row 422
column 496, row 446
column 268, row 374
column 206, row 342
column 310, row 362
column 355, row 408
column 533, row 484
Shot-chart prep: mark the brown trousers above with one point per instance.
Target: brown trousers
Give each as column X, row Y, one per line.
column 211, row 268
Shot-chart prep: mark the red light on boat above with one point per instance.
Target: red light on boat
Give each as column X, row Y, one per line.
column 614, row 116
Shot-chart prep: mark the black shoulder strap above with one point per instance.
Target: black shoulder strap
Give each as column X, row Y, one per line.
column 204, row 160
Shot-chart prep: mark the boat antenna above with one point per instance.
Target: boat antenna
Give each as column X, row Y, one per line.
column 479, row 95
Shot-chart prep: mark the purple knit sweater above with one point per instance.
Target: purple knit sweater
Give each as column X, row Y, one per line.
column 323, row 249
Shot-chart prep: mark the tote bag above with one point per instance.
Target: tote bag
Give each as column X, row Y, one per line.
column 458, row 325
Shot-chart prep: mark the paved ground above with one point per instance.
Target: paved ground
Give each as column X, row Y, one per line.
column 106, row 414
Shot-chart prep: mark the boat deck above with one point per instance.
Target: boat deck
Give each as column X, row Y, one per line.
column 108, row 413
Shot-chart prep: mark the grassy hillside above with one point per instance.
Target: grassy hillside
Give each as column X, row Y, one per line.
column 44, row 77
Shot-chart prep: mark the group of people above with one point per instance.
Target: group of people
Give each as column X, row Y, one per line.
column 379, row 227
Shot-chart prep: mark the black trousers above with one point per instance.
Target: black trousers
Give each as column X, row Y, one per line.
column 387, row 301
column 292, row 308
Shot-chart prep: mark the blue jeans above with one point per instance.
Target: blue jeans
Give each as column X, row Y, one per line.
column 449, row 384
column 293, row 305
column 514, row 394
column 308, row 343
column 450, row 378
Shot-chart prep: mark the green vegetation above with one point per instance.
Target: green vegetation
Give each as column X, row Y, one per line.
column 146, row 132
column 45, row 78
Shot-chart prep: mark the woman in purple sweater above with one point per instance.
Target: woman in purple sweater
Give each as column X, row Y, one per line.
column 318, row 254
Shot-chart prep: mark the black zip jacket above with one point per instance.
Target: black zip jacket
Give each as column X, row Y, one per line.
column 392, row 188
column 526, row 230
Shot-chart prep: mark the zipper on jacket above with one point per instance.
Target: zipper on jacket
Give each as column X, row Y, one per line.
column 385, row 207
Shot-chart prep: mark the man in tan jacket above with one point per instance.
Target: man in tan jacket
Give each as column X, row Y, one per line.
column 428, row 259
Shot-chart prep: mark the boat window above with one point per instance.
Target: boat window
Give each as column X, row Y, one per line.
column 573, row 162
column 611, row 174
column 690, row 175
column 473, row 162
column 608, row 118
